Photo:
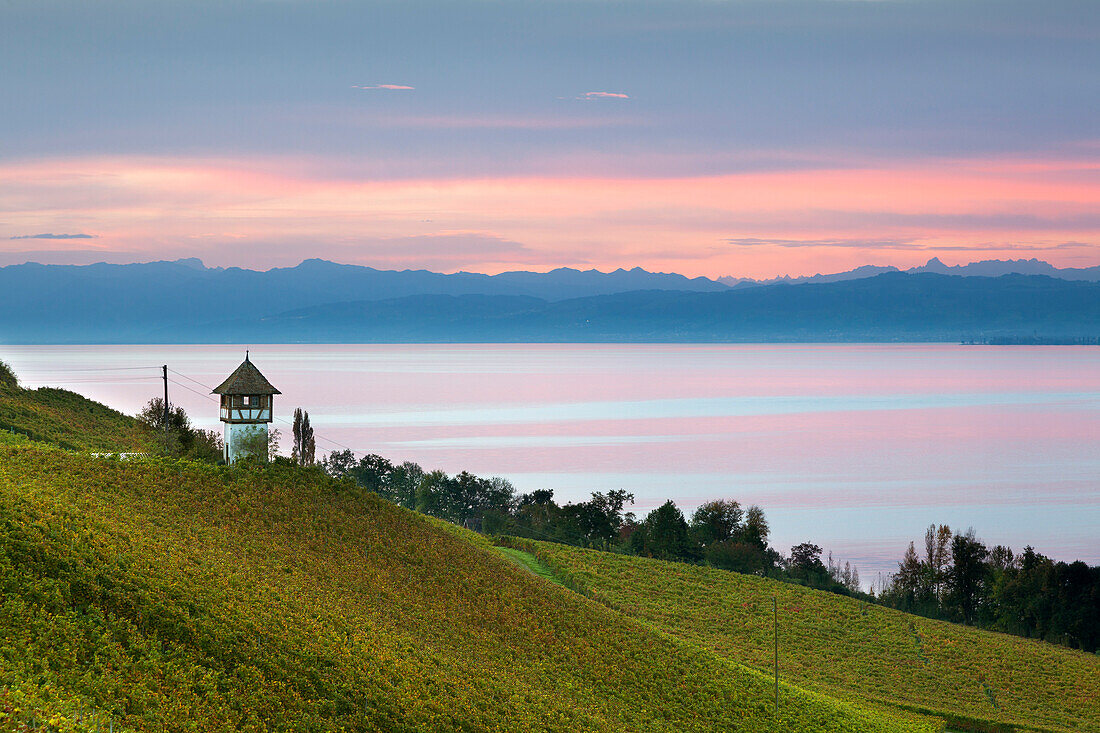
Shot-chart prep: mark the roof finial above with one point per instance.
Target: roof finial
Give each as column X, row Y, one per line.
column 246, row 354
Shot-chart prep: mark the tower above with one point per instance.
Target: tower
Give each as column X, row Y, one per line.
column 246, row 410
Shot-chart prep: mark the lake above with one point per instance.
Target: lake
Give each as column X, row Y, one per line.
column 857, row 448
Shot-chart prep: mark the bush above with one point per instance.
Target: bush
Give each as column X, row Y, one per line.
column 7, row 376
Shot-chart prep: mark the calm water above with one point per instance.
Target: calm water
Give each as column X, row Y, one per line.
column 855, row 447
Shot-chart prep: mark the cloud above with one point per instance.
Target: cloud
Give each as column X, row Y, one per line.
column 603, row 95
column 55, row 236
column 398, row 87
column 856, row 243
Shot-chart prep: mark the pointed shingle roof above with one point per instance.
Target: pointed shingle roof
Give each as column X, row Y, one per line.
column 246, row 379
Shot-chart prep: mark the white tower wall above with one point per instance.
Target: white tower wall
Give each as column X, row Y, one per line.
column 237, row 437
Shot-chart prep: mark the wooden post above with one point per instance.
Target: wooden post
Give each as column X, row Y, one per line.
column 165, row 368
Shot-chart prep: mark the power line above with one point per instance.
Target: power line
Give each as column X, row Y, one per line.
column 315, row 435
column 104, row 380
column 181, row 374
column 284, row 421
column 86, row 369
column 189, row 389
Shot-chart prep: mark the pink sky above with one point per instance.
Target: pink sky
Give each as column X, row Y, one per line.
column 709, row 138
column 266, row 212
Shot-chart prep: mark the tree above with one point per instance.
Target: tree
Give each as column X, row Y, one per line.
column 716, row 521
column 152, row 417
column 304, row 450
column 755, row 529
column 807, row 557
column 402, row 483
column 966, row 580
column 846, row 576
column 664, row 535
column 740, row 557
column 339, row 464
column 206, row 445
column 309, row 442
column 7, row 377
column 372, row 472
column 260, row 445
column 535, row 515
column 906, row 584
column 937, row 551
column 181, row 440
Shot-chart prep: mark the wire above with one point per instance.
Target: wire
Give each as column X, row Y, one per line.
column 315, row 435
column 284, row 421
column 106, row 380
column 181, row 374
column 86, row 369
column 194, row 391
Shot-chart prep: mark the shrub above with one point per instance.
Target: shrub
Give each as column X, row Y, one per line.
column 7, row 377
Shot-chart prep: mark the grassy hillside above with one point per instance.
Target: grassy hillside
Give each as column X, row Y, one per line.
column 181, row 596
column 839, row 645
column 66, row 419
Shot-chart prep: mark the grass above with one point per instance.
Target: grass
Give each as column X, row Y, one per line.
column 173, row 595
column 975, row 679
column 529, row 561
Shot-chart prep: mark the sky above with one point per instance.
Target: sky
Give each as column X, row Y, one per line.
column 749, row 138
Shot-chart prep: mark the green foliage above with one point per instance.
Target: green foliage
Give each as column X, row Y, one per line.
column 28, row 708
column 960, row 579
column 180, row 439
column 8, row 380
column 716, row 521
column 68, row 420
column 664, row 535
column 177, row 595
column 303, row 450
column 978, row 680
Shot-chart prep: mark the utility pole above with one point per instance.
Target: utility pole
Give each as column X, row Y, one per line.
column 165, row 368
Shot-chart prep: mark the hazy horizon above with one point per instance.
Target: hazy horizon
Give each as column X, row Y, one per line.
column 66, row 259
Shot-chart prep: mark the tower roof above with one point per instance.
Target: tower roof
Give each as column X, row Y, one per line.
column 246, row 379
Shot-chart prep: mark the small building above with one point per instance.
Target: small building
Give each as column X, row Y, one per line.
column 246, row 410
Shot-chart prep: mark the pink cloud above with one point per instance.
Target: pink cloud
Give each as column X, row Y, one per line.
column 382, row 86
column 604, row 95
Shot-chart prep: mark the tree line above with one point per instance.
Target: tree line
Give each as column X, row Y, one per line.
column 719, row 533
column 959, row 578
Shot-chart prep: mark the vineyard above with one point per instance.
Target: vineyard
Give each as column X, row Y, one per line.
column 67, row 419
column 172, row 595
column 977, row 680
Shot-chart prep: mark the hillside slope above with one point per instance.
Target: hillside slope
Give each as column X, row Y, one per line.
column 976, row 679
column 183, row 596
column 67, row 419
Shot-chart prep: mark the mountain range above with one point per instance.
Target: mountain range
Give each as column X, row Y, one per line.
column 985, row 268
column 319, row 301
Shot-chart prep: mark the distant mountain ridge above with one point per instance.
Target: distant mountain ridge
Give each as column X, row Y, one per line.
column 68, row 303
column 318, row 301
column 890, row 307
column 985, row 268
